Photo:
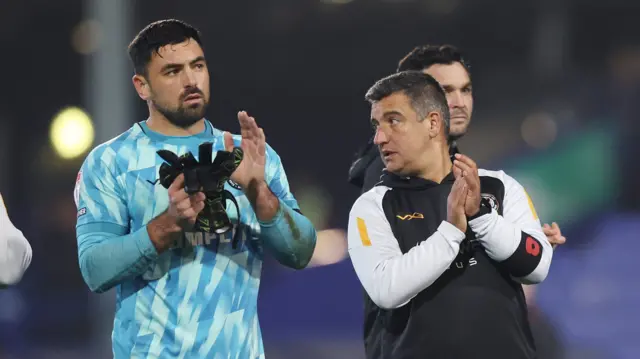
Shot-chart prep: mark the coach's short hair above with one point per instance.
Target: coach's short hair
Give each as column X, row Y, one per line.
column 156, row 35
column 423, row 91
column 422, row 57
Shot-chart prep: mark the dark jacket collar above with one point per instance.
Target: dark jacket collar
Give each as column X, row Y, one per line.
column 394, row 181
column 368, row 154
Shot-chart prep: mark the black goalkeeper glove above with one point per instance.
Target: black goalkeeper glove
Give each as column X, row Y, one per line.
column 207, row 177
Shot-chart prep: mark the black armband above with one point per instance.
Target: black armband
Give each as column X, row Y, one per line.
column 526, row 257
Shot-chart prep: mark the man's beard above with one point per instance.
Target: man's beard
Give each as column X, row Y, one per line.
column 458, row 133
column 183, row 117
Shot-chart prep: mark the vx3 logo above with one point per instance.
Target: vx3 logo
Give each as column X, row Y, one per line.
column 408, row 217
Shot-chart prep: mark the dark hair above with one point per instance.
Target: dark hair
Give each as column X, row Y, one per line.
column 424, row 56
column 156, row 35
column 423, row 91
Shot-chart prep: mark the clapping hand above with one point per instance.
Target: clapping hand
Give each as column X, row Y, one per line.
column 465, row 168
column 253, row 144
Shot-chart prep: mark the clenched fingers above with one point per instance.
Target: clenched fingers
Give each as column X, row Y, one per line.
column 196, row 198
column 548, row 231
column 177, row 184
column 183, row 206
column 553, row 234
column 191, row 214
column 189, row 202
column 178, row 198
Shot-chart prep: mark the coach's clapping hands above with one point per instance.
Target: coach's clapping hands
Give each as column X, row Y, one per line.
column 465, row 168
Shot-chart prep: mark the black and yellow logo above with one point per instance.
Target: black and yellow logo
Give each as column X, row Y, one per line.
column 408, row 217
column 204, row 224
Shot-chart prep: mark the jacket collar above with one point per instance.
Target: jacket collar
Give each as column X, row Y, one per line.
column 394, row 181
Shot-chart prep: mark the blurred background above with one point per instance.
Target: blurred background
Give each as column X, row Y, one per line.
column 557, row 106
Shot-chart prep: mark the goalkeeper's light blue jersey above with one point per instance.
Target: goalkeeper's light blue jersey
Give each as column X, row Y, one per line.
column 198, row 299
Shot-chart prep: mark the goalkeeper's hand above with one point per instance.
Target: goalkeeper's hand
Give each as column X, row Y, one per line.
column 203, row 176
column 212, row 177
column 184, row 208
column 180, row 216
column 178, row 176
column 253, row 144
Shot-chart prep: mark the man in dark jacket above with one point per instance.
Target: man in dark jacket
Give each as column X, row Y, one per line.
column 441, row 248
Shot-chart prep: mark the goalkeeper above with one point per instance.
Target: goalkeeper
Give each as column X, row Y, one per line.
column 186, row 271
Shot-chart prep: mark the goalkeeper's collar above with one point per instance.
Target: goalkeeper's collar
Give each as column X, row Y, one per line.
column 208, row 132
